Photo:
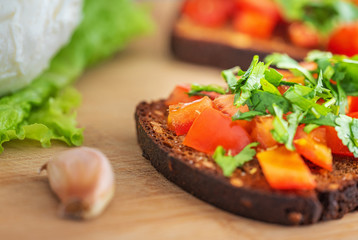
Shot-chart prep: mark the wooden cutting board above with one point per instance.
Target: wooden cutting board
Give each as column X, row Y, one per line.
column 146, row 205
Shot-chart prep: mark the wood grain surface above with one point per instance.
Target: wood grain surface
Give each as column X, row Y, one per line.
column 146, row 205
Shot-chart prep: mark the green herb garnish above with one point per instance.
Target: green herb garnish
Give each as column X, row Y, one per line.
column 197, row 89
column 347, row 131
column 229, row 163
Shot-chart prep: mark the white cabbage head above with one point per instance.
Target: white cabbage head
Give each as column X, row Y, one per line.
column 31, row 33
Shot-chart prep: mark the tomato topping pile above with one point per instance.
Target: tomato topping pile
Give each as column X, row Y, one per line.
column 291, row 121
column 259, row 19
column 208, row 124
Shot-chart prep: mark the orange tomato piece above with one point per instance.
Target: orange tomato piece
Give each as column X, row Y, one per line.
column 211, row 129
column 284, row 169
column 312, row 147
column 262, row 126
column 225, row 103
column 181, row 116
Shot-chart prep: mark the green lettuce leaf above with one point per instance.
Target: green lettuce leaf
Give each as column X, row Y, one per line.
column 41, row 111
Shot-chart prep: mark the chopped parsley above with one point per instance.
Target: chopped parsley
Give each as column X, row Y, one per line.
column 251, row 81
column 229, row 163
column 246, row 115
column 197, row 89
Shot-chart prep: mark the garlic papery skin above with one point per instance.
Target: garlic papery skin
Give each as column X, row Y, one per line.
column 83, row 180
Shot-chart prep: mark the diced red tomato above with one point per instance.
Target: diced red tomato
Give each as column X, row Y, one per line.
column 265, row 7
column 180, row 95
column 282, row 89
column 353, row 114
column 284, row 169
column 262, row 126
column 335, row 143
column 344, row 40
column 352, row 104
column 225, row 103
column 319, row 134
column 181, row 116
column 256, row 18
column 254, row 24
column 212, row 129
column 303, row 36
column 210, row 13
column 312, row 147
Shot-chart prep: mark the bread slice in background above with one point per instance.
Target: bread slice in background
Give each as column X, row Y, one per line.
column 225, row 48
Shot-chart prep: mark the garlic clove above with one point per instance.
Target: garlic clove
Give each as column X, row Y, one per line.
column 83, row 180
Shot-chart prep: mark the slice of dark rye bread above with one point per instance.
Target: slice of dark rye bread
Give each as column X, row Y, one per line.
column 225, row 48
column 246, row 193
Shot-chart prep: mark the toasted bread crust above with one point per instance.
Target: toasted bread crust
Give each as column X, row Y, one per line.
column 246, row 193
